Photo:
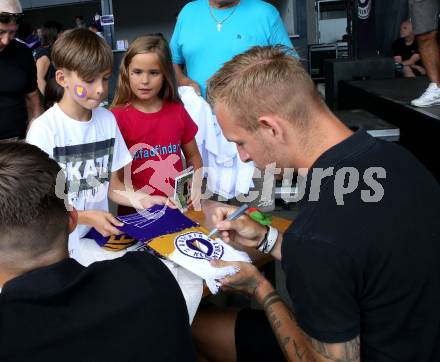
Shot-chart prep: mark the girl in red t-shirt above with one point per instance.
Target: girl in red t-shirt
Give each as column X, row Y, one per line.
column 152, row 119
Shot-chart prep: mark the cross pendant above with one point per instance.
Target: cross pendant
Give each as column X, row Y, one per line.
column 219, row 26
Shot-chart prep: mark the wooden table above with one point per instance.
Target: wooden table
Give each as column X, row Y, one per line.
column 204, row 219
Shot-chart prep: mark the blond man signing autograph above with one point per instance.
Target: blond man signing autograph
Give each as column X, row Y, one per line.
column 364, row 280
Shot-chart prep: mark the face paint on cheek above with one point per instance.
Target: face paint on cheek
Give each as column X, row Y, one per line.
column 80, row 91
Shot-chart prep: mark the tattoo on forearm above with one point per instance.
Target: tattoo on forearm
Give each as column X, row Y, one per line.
column 302, row 354
column 276, row 325
column 346, row 352
column 287, row 342
column 250, row 286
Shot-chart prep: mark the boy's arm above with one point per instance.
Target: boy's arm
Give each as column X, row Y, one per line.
column 192, row 155
column 104, row 222
column 119, row 194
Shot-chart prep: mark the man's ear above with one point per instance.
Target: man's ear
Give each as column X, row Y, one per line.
column 273, row 127
column 60, row 77
column 73, row 219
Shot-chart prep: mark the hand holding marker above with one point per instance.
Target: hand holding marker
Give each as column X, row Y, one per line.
column 235, row 215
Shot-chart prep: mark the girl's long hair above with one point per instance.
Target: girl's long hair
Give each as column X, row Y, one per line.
column 154, row 43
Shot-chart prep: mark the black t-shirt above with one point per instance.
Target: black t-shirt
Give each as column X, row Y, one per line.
column 128, row 309
column 369, row 268
column 404, row 50
column 45, row 52
column 18, row 77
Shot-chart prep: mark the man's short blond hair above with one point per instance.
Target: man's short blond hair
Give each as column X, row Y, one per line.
column 265, row 81
column 82, row 51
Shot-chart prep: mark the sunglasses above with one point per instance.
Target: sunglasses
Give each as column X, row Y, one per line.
column 10, row 17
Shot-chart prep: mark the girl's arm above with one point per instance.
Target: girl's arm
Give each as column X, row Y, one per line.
column 118, row 193
column 193, row 158
column 192, row 155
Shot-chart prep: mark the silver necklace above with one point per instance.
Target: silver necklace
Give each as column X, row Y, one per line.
column 220, row 22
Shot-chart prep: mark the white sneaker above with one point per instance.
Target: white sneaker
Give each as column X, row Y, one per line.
column 429, row 98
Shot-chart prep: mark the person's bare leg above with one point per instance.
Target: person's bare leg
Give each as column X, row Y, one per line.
column 430, row 54
column 213, row 331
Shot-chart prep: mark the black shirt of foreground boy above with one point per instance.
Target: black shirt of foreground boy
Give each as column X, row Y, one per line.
column 51, row 307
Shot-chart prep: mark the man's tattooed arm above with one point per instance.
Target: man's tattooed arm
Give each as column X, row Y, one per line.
column 295, row 343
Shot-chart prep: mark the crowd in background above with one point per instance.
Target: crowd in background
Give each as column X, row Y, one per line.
column 40, row 40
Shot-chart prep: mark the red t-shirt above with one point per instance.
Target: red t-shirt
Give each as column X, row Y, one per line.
column 154, row 141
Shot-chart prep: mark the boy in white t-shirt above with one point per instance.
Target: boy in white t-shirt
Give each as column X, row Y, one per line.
column 84, row 138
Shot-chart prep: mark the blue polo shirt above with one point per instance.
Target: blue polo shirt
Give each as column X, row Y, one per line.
column 197, row 43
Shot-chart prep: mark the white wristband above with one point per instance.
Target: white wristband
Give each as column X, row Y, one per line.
column 269, row 240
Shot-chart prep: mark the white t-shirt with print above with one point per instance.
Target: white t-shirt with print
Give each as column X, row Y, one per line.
column 87, row 152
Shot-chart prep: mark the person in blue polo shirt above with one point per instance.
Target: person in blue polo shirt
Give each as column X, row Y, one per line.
column 209, row 33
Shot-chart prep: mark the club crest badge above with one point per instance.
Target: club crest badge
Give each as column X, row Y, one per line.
column 80, row 91
column 197, row 245
column 364, row 9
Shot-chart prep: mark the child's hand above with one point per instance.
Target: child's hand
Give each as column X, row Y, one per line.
column 149, row 201
column 196, row 196
column 102, row 221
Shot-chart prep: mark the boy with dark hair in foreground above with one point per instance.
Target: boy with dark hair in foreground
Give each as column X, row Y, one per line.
column 51, row 307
